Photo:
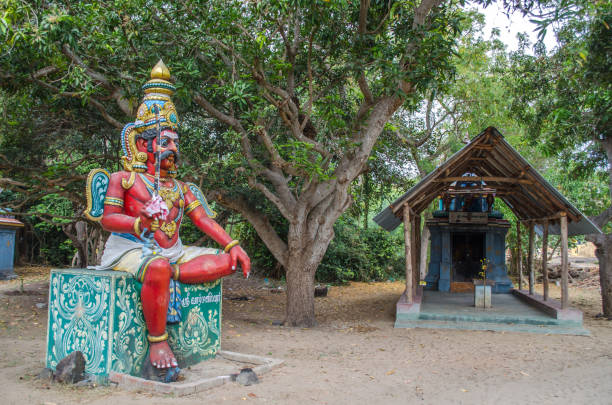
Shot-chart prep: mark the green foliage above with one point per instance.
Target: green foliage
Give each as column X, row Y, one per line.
column 358, row 254
column 54, row 248
column 565, row 98
column 355, row 254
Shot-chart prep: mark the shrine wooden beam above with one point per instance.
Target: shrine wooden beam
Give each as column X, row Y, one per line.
column 543, row 220
column 408, row 250
column 519, row 253
column 416, row 252
column 530, row 255
column 484, row 178
column 564, row 264
column 545, row 259
column 425, row 236
column 484, row 146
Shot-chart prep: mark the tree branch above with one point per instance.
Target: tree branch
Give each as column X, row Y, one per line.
column 111, row 120
column 420, row 14
column 116, row 93
column 259, row 221
column 287, row 212
column 603, row 218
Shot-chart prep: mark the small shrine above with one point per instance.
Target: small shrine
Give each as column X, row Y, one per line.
column 8, row 236
column 465, row 241
column 467, row 232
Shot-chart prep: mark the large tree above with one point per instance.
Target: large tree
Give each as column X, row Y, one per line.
column 301, row 90
column 564, row 97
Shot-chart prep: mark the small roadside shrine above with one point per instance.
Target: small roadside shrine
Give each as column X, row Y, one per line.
column 8, row 231
column 466, row 232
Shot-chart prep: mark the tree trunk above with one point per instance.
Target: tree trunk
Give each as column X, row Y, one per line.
column 77, row 232
column 366, row 193
column 604, row 242
column 300, row 294
column 305, row 254
column 604, row 255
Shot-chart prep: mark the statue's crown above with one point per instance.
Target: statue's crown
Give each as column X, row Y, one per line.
column 158, row 91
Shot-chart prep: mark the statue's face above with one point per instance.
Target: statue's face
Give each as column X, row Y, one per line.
column 169, row 143
column 168, row 147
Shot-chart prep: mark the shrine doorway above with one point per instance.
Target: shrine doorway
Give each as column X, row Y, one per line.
column 467, row 251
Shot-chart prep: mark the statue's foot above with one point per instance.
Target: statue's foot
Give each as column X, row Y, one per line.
column 162, row 356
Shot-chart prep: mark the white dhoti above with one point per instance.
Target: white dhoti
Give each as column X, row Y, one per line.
column 124, row 252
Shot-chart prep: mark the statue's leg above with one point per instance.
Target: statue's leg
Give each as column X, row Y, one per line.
column 205, row 268
column 155, row 295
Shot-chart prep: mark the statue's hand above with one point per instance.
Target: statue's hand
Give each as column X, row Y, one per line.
column 238, row 255
column 149, row 219
column 148, row 222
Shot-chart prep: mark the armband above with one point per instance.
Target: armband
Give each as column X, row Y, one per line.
column 113, row 201
column 192, row 206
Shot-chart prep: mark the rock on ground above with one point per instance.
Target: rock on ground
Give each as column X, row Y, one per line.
column 71, row 368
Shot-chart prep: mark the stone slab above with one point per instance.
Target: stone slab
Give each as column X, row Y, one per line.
column 551, row 307
column 201, row 377
column 496, row 327
column 440, row 310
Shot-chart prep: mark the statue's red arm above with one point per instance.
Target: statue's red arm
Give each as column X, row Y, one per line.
column 115, row 219
column 199, row 217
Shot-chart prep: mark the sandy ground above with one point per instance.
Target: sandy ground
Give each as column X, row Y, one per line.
column 353, row 356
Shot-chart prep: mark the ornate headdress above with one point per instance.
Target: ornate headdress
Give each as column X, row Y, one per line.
column 158, row 90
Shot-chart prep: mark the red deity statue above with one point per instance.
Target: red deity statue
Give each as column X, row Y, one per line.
column 143, row 207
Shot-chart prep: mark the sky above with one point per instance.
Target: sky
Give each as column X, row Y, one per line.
column 509, row 27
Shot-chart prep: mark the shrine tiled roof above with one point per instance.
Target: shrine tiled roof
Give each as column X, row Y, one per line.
column 493, row 161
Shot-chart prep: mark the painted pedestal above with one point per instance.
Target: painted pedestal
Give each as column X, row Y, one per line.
column 100, row 314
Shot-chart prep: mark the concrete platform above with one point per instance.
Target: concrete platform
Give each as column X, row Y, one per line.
column 442, row 310
column 201, row 377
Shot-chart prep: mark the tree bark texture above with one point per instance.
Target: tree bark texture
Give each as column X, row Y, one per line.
column 603, row 242
column 300, row 295
column 604, row 256
column 88, row 241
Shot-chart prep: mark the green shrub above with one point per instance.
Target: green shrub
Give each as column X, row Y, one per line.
column 357, row 254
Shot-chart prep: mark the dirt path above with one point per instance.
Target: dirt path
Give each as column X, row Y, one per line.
column 353, row 356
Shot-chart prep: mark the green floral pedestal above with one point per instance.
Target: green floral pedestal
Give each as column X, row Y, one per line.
column 100, row 314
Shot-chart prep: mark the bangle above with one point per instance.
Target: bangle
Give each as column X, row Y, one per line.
column 176, row 272
column 230, row 245
column 157, row 339
column 137, row 230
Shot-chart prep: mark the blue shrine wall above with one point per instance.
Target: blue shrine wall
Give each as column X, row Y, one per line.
column 440, row 270
column 7, row 252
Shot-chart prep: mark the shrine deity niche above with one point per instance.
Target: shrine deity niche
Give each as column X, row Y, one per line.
column 143, row 207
